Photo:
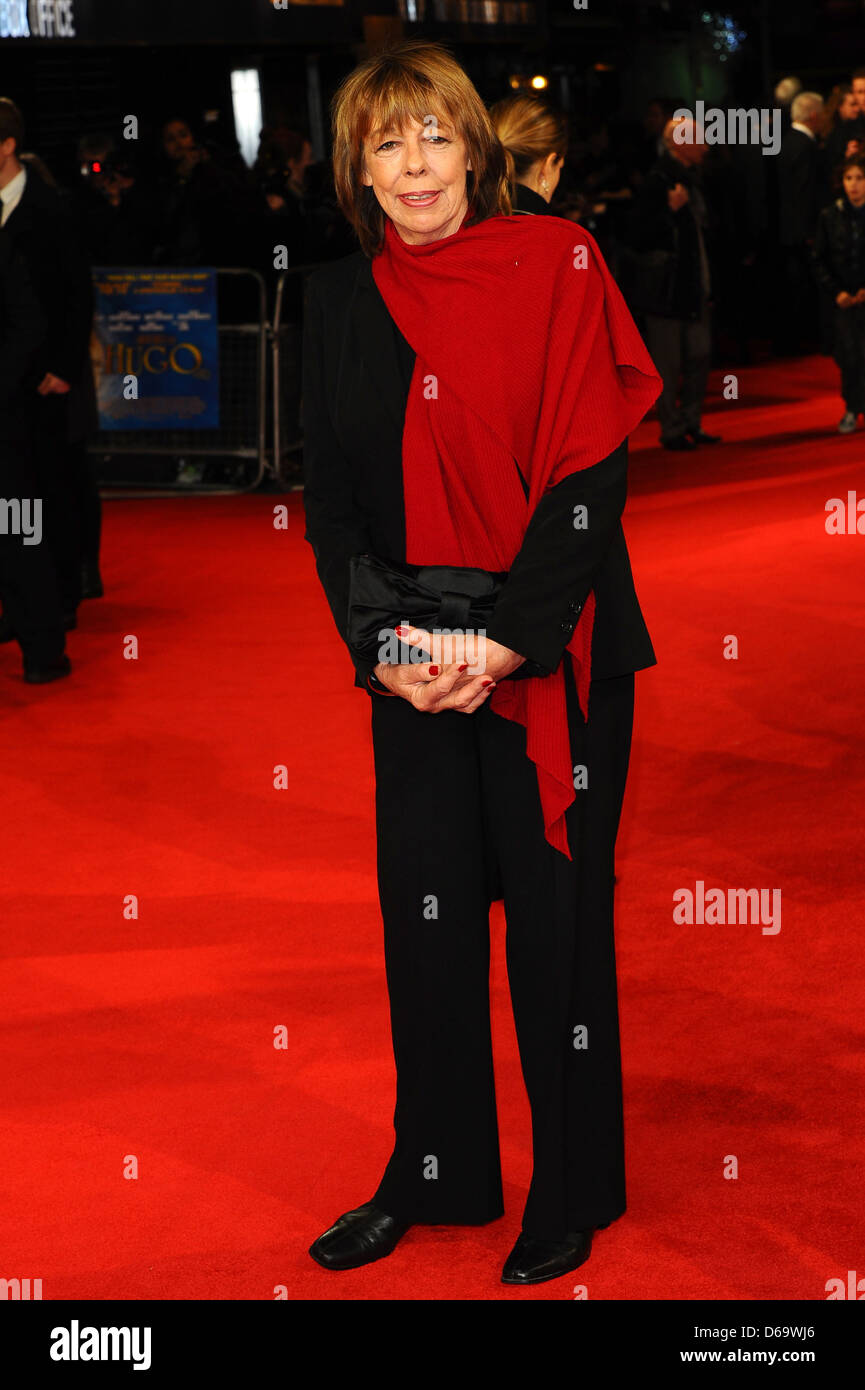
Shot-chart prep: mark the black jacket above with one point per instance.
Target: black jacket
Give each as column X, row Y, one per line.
column 357, row 369
column 835, row 144
column 652, row 227
column 800, row 185
column 526, row 200
column 839, row 250
column 48, row 241
column 22, row 333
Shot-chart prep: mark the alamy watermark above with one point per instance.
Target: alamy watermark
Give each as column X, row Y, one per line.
column 736, row 126
column 22, row 516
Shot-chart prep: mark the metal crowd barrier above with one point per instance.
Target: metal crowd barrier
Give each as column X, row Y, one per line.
column 259, row 363
column 232, row 457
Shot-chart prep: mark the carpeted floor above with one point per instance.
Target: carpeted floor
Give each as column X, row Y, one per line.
column 149, row 1040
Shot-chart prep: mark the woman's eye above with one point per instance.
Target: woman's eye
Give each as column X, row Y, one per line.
column 388, row 144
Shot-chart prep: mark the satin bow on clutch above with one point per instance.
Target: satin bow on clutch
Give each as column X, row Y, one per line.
column 438, row 598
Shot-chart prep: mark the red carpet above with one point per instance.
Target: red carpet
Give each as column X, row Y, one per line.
column 257, row 907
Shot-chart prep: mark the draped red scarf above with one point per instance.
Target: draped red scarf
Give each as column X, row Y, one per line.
column 525, row 355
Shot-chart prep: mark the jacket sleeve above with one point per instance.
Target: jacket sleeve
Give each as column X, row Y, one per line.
column 70, row 350
column 335, row 527
column 551, row 578
column 822, row 255
column 649, row 223
column 24, row 328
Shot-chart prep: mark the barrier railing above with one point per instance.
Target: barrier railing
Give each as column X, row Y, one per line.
column 257, row 357
column 185, row 456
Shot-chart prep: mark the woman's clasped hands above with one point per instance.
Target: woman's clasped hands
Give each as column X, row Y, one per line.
column 462, row 672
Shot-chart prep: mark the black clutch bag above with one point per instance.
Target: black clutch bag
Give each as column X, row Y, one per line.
column 384, row 593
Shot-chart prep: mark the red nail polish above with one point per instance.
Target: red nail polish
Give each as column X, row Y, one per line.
column 402, row 631
column 486, row 682
column 463, row 668
column 433, row 670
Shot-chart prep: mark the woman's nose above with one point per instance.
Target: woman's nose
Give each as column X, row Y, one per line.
column 414, row 163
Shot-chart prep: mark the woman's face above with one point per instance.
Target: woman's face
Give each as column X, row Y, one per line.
column 854, row 185
column 418, row 176
column 849, row 108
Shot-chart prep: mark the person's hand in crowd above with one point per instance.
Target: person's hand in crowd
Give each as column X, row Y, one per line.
column 852, row 149
column 677, row 197
column 859, row 296
column 114, row 186
column 432, row 688
column 844, row 300
column 52, row 385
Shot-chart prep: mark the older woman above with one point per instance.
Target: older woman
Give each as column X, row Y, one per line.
column 470, row 379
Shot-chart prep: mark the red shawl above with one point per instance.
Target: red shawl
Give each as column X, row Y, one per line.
column 526, row 352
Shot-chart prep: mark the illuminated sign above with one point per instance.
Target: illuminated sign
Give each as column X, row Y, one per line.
column 37, row 19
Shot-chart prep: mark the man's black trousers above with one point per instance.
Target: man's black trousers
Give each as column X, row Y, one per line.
column 458, row 809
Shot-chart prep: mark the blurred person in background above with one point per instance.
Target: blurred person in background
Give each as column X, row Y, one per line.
column 38, row 223
column 28, row 585
column 801, row 194
column 857, row 82
column 114, row 210
column 535, row 138
column 659, row 110
column 208, row 211
column 284, row 155
column 839, row 259
column 842, row 127
column 785, row 91
column 664, row 272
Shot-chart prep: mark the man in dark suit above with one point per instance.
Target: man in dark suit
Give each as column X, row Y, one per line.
column 666, row 277
column 31, row 603
column 801, row 194
column 36, row 221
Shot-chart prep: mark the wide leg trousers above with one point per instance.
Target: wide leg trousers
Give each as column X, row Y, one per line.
column 458, row 809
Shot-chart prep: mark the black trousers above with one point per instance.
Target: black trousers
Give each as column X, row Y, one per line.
column 457, row 804
column 681, row 349
column 61, row 493
column 29, row 592
column 849, row 353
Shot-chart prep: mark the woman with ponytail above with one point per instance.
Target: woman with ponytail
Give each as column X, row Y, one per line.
column 535, row 141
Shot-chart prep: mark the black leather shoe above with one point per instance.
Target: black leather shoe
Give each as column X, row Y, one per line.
column 534, row 1261
column 700, row 437
column 52, row 671
column 678, row 441
column 358, row 1238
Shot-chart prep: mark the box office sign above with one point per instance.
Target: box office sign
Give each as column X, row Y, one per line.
column 165, row 21
column 156, row 351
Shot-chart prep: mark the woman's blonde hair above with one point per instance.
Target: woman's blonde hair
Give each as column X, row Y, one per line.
column 413, row 80
column 530, row 130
